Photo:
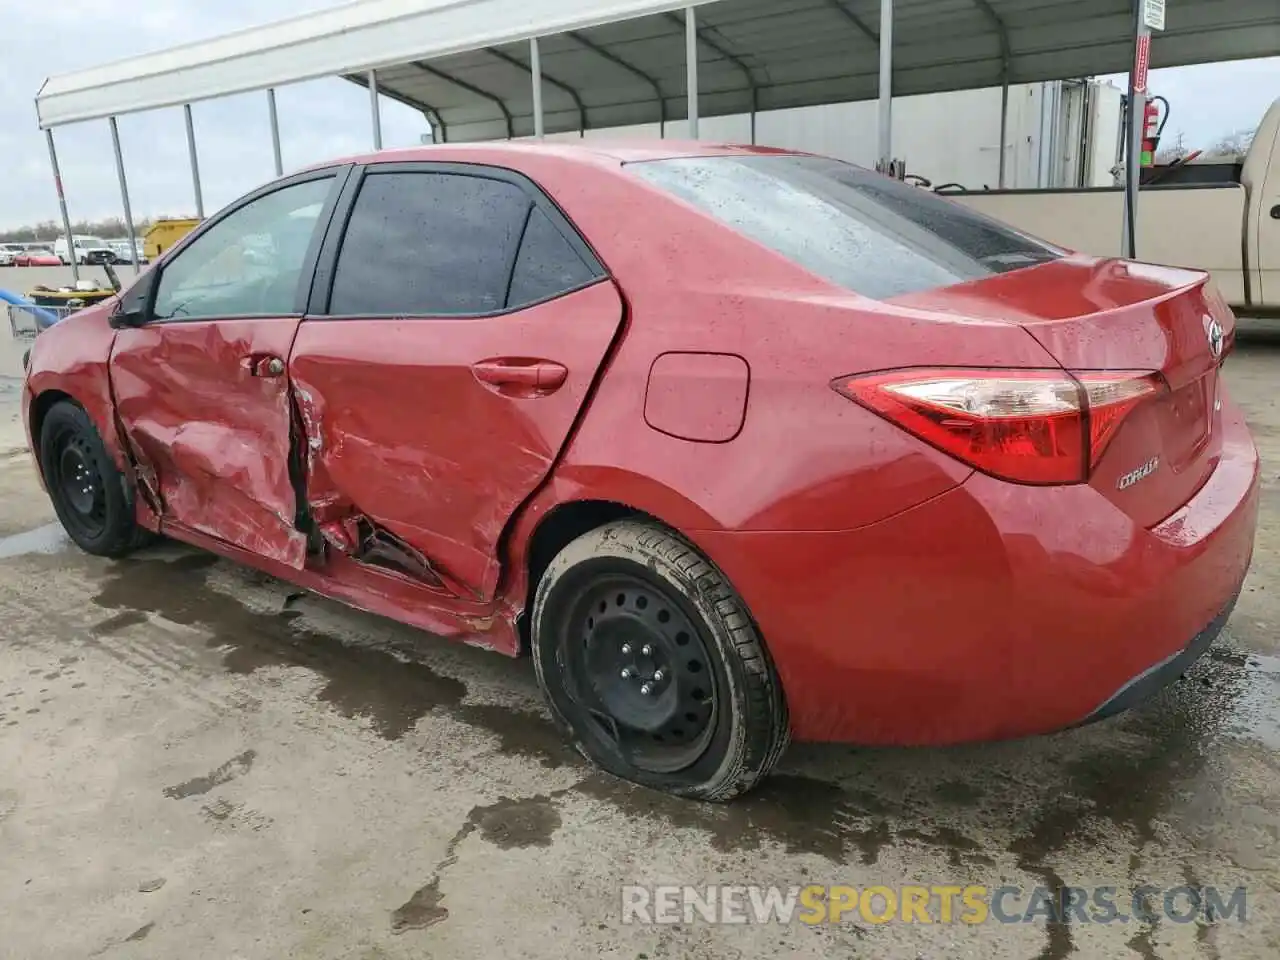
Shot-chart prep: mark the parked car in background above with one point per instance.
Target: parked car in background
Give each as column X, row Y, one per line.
column 34, row 256
column 87, row 250
column 8, row 252
column 121, row 248
column 738, row 445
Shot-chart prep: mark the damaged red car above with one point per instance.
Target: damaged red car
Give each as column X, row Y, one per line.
column 738, row 445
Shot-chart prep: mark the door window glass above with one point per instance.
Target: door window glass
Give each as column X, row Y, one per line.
column 429, row 243
column 249, row 263
column 547, row 264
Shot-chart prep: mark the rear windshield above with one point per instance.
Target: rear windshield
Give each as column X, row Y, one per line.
column 866, row 232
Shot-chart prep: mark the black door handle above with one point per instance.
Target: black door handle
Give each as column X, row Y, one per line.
column 1275, row 212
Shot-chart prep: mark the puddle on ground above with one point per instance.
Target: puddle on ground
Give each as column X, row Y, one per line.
column 50, row 538
column 1256, row 715
column 1145, row 768
column 392, row 694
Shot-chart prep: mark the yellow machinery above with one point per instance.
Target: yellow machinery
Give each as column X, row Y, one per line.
column 163, row 234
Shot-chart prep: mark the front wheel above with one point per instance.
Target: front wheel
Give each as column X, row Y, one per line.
column 652, row 665
column 91, row 496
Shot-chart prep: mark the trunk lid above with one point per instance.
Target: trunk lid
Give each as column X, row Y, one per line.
column 1115, row 315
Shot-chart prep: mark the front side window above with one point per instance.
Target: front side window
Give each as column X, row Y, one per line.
column 250, row 262
column 860, row 230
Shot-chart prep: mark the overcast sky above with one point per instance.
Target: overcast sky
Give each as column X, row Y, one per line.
column 318, row 119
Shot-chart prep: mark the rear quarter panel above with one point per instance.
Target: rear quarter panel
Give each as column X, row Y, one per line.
column 806, row 457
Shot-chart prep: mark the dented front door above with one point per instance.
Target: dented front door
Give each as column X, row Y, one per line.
column 201, row 385
column 206, row 408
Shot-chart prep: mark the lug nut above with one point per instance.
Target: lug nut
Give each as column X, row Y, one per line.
column 626, row 648
column 646, row 688
column 658, row 675
column 646, row 650
column 626, row 673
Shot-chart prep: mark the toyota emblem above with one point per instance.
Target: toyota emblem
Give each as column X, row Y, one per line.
column 1217, row 337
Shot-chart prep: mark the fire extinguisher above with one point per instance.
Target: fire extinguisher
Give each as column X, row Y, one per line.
column 1153, row 121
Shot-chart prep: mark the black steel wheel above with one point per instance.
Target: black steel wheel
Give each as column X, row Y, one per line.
column 92, row 498
column 642, row 670
column 652, row 665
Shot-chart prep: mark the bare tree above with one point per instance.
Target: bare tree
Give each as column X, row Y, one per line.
column 1232, row 145
column 1173, row 151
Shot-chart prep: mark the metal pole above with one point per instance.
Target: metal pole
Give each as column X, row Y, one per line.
column 124, row 196
column 62, row 204
column 1004, row 124
column 886, row 86
column 374, row 111
column 535, row 70
column 691, row 65
column 275, row 130
column 195, row 163
column 1133, row 153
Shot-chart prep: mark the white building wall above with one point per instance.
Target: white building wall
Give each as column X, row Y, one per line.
column 946, row 137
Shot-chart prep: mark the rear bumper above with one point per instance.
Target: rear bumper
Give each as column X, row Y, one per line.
column 1160, row 675
column 994, row 610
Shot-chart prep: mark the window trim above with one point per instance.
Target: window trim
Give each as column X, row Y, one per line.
column 339, row 174
column 326, row 272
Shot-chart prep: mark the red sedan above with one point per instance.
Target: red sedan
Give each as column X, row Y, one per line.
column 739, row 445
column 36, row 258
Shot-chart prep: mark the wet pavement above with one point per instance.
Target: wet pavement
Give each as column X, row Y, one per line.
column 198, row 760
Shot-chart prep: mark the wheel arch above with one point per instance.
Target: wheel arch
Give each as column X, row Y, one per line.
column 556, row 529
column 41, row 404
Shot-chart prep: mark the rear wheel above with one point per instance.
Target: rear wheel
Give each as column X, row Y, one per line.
column 92, row 498
column 652, row 665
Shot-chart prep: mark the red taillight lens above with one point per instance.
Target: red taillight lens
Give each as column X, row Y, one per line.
column 1030, row 426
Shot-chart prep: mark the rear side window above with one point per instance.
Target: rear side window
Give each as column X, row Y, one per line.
column 547, row 264
column 863, row 231
column 429, row 243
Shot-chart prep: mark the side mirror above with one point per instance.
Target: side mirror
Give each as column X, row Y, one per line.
column 134, row 307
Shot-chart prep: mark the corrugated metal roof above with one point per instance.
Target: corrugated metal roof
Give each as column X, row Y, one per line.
column 613, row 62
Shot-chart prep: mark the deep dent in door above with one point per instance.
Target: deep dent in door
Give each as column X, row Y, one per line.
column 210, row 441
column 408, row 450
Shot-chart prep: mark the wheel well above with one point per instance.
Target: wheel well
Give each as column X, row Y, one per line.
column 558, row 529
column 40, row 408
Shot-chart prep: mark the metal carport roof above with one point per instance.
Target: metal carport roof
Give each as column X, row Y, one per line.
column 615, row 62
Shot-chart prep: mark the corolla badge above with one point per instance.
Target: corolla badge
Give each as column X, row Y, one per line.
column 1217, row 337
column 1133, row 476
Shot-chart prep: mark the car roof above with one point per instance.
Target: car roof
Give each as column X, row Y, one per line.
column 600, row 152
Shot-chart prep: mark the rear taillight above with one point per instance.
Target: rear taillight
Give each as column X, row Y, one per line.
column 1030, row 426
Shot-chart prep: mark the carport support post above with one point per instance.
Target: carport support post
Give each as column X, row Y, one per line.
column 62, row 204
column 885, row 163
column 1004, row 122
column 275, row 130
column 691, row 65
column 195, row 162
column 374, row 112
column 535, row 72
column 124, row 195
column 1133, row 153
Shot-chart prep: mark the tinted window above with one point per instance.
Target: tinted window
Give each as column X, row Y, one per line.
column 859, row 229
column 429, row 243
column 547, row 264
column 250, row 262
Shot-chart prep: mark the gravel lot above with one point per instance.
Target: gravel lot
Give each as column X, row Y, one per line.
column 197, row 761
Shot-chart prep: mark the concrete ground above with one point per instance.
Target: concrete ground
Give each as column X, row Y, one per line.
column 197, row 761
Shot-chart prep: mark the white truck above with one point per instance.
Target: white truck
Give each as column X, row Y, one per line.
column 87, row 250
column 1221, row 216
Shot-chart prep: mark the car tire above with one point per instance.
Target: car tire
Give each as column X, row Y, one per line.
column 632, row 605
column 91, row 496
